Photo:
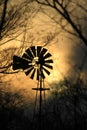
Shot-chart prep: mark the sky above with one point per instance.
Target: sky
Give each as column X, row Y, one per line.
column 64, row 50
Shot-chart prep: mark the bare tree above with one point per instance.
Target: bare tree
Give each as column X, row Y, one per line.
column 68, row 10
column 15, row 21
column 71, row 17
column 12, row 106
column 9, row 18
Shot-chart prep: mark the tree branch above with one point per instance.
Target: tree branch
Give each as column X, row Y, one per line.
column 3, row 16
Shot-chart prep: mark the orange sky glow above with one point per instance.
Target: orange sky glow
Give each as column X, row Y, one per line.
column 60, row 47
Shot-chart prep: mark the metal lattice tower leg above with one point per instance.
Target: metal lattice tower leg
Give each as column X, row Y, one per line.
column 40, row 100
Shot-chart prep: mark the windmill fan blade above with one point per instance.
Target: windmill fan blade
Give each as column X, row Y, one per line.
column 49, row 66
column 42, row 74
column 29, row 53
column 38, row 50
column 33, row 73
column 48, row 61
column 26, row 56
column 33, row 50
column 43, row 52
column 46, row 70
column 47, row 55
column 28, row 71
column 37, row 74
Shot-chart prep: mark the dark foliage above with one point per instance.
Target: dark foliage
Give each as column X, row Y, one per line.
column 12, row 112
column 66, row 109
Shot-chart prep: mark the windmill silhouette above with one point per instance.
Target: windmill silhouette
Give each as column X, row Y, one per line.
column 36, row 62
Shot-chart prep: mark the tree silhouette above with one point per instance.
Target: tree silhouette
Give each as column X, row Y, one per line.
column 65, row 13
column 13, row 19
column 69, row 105
column 69, row 10
column 12, row 106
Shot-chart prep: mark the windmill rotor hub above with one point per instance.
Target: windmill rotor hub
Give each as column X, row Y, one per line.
column 35, row 61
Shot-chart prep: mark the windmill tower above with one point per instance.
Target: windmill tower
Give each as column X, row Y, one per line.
column 36, row 62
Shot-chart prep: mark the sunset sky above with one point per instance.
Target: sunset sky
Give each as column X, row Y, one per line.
column 63, row 47
column 43, row 64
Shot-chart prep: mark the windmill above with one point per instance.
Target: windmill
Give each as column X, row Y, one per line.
column 36, row 62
